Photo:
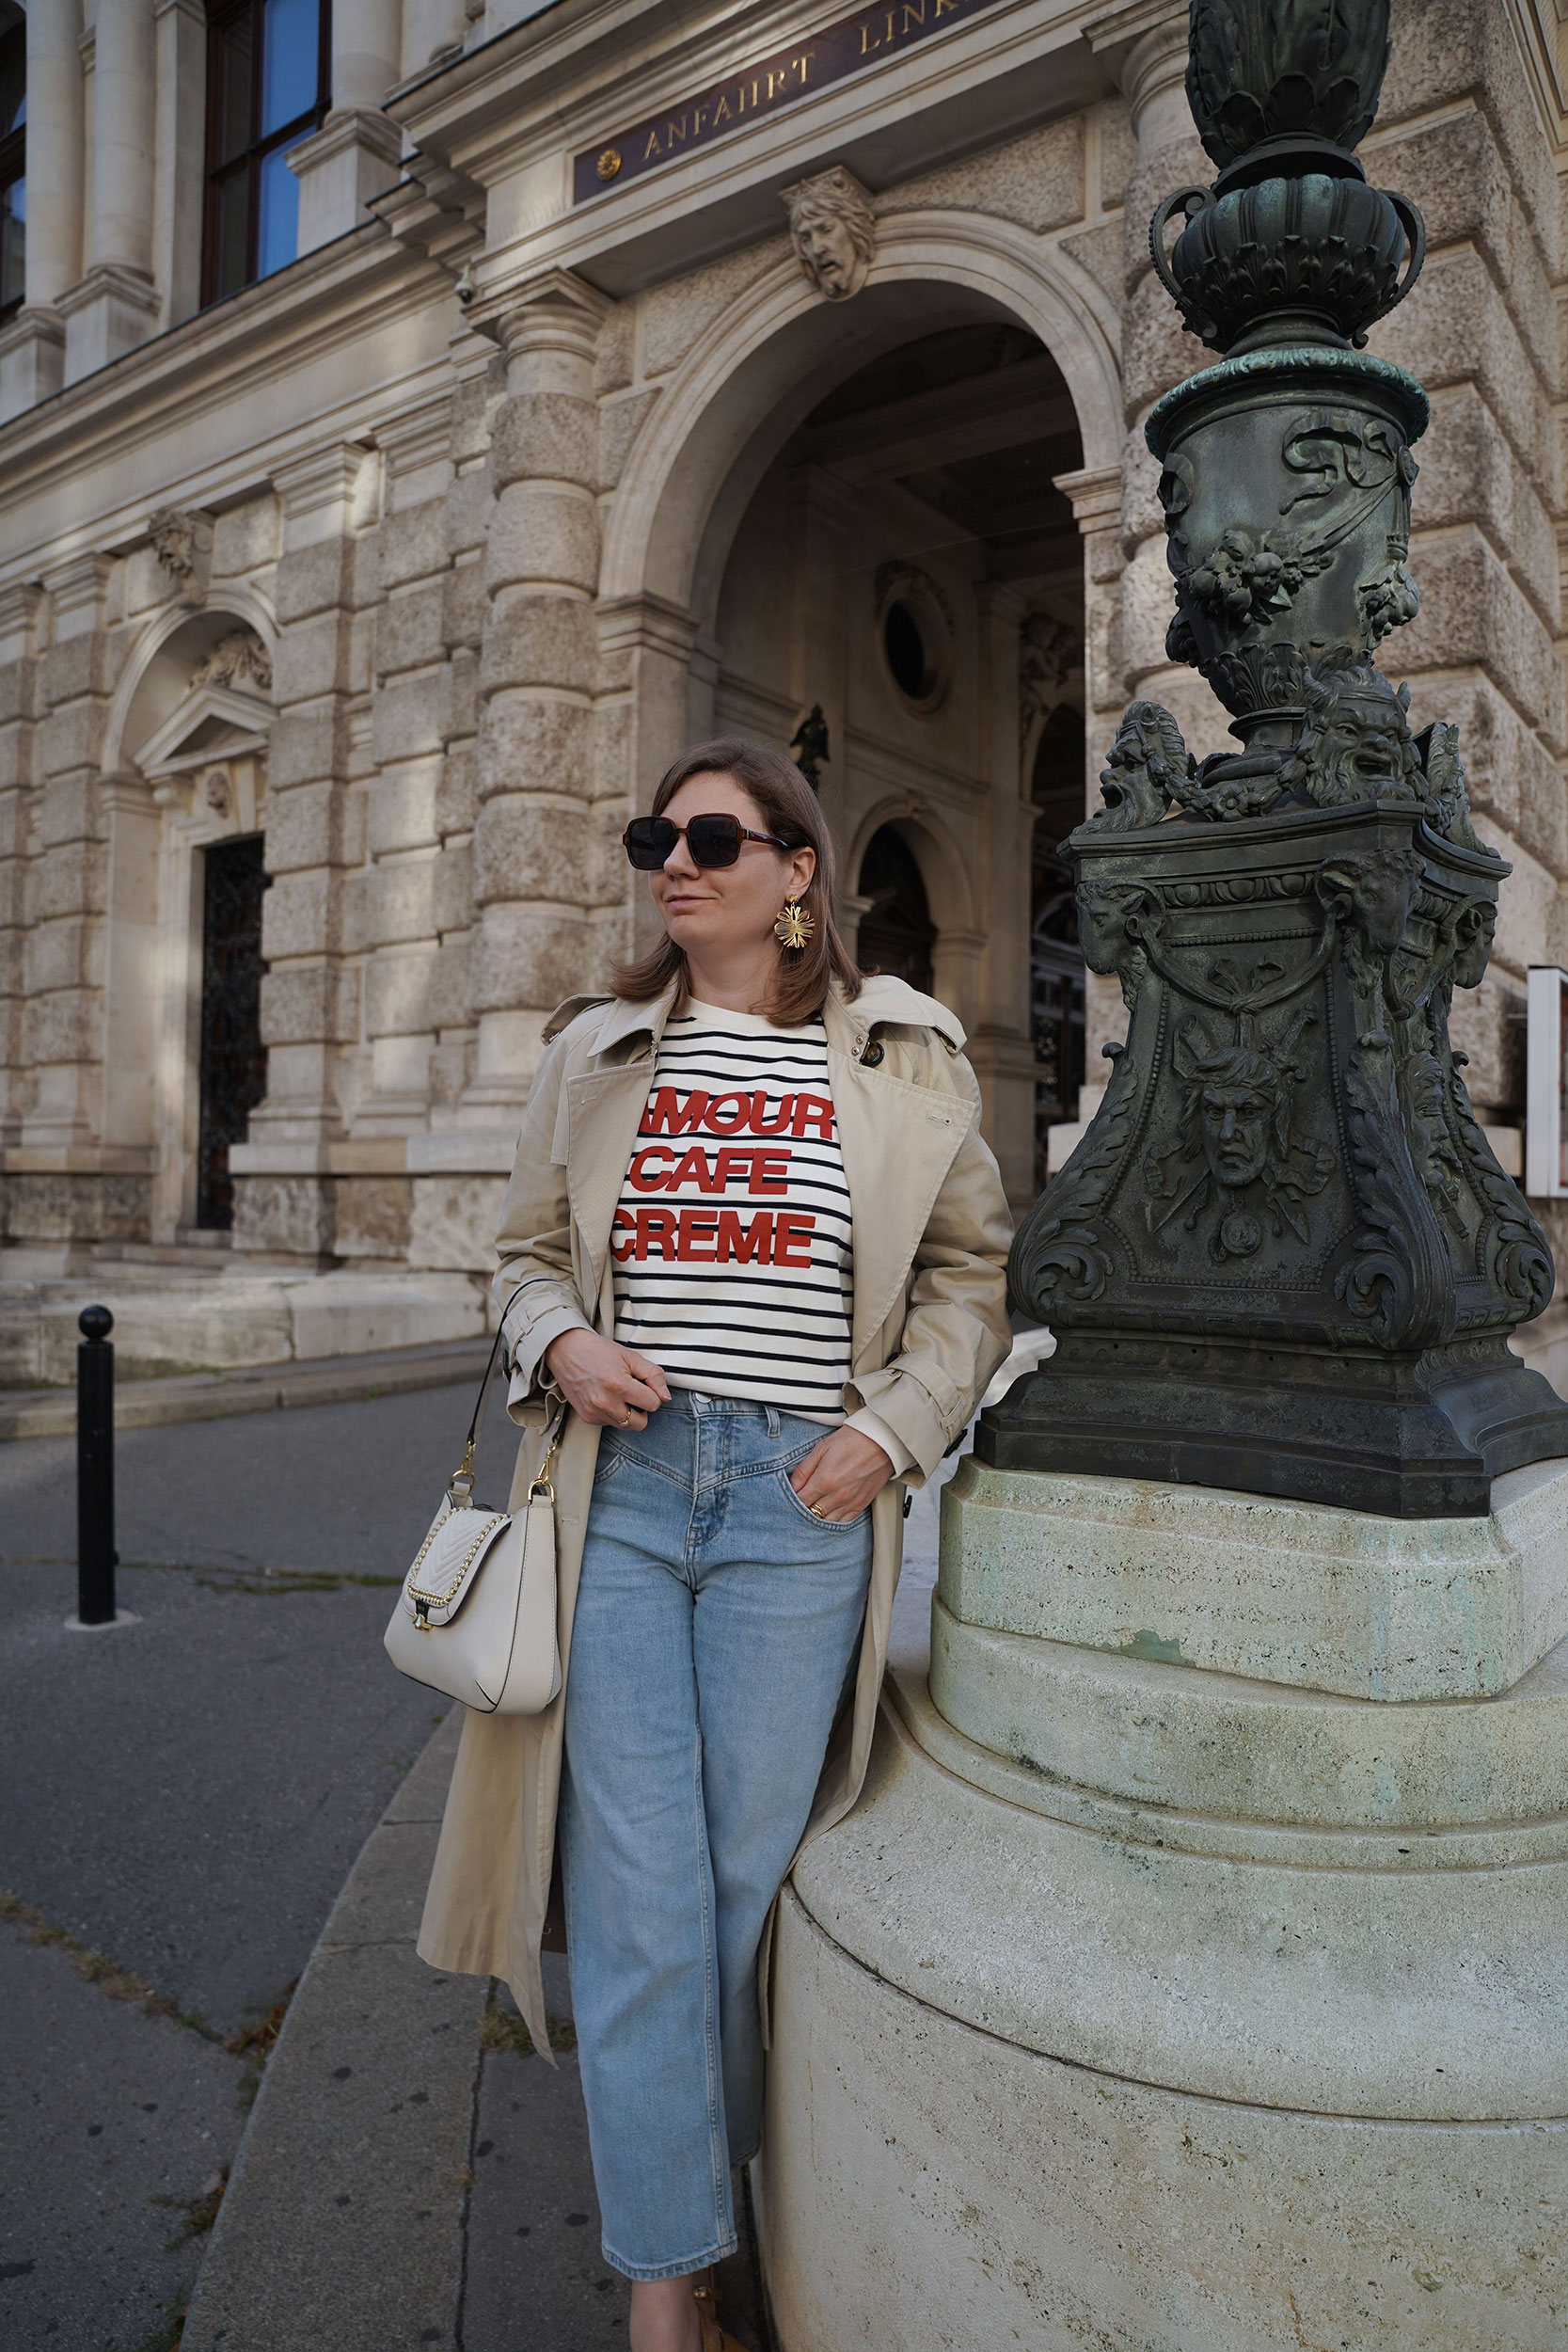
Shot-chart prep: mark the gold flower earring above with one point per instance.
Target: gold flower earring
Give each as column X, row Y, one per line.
column 794, row 925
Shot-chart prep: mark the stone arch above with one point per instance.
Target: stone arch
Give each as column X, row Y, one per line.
column 745, row 385
column 949, row 886
column 146, row 692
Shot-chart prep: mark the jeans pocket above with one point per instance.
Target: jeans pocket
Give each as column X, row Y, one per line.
column 609, row 1460
column 804, row 1511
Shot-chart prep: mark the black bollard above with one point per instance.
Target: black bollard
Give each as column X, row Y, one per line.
column 95, row 1469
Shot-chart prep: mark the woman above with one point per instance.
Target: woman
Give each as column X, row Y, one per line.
column 754, row 1238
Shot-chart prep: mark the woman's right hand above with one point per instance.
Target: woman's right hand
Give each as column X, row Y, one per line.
column 609, row 1386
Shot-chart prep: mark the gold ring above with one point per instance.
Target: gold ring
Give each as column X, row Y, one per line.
column 817, row 1511
column 627, row 1422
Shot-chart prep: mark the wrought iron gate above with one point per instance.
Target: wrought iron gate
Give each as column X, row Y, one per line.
column 233, row 1061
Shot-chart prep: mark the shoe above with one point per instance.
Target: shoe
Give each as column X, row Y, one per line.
column 715, row 2339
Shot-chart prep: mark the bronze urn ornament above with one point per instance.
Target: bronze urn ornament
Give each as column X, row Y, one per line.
column 1283, row 1257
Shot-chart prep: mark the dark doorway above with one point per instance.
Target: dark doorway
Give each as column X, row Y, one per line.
column 1055, row 959
column 897, row 932
column 233, row 1061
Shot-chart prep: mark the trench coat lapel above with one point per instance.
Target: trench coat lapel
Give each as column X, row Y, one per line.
column 898, row 1142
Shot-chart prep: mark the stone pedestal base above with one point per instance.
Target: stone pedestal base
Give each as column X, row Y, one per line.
column 1188, row 2008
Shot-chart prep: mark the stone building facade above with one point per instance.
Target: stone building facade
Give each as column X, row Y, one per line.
column 627, row 384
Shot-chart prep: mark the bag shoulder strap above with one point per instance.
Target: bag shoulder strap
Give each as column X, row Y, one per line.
column 460, row 1486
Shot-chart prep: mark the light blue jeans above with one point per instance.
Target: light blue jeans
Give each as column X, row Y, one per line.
column 715, row 1626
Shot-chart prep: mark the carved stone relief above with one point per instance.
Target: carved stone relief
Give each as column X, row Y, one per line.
column 239, row 659
column 834, row 231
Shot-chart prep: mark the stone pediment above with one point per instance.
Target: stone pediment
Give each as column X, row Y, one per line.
column 212, row 722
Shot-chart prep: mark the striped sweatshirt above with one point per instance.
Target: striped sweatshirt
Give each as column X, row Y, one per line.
column 732, row 1244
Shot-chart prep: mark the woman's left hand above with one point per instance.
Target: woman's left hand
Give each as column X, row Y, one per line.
column 840, row 1477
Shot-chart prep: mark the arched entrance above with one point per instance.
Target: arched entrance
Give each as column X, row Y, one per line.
column 856, row 506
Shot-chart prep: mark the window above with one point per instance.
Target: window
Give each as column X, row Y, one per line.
column 13, row 161
column 268, row 84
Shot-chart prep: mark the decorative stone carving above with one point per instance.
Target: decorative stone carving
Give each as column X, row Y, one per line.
column 173, row 533
column 220, row 793
column 1282, row 1257
column 810, row 739
column 834, row 231
column 239, row 659
column 1048, row 650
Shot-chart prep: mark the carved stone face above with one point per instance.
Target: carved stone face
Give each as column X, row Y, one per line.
column 1235, row 1120
column 830, row 256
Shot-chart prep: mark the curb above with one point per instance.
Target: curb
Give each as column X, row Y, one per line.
column 343, row 2221
column 256, row 1388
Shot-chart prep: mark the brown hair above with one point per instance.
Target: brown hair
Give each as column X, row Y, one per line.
column 791, row 809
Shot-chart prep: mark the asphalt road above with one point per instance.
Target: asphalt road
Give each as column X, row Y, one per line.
column 185, row 1796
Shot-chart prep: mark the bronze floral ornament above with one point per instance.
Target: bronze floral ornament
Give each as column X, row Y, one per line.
column 1283, row 1257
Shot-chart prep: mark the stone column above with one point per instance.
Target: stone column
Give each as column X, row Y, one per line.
column 179, row 182
column 549, row 874
column 284, row 1193
column 354, row 154
column 32, row 350
column 431, row 29
column 115, row 305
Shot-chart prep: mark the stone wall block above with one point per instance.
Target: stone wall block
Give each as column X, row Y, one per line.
column 462, row 693
column 448, row 989
column 414, row 542
column 533, row 955
column 308, row 825
column 12, row 982
column 539, row 641
column 614, row 736
column 409, row 628
column 1156, row 349
column 526, row 847
column 313, row 579
column 18, row 694
column 1488, row 1023
column 307, row 746
column 1144, row 614
column 457, row 797
column 677, row 315
column 246, row 537
column 301, row 916
column 402, row 806
column 468, row 512
column 371, row 1215
column 71, row 879
column 16, row 757
column 1036, row 180
column 1447, row 50
column 293, row 1215
column 78, row 666
column 312, row 660
column 544, row 437
column 1453, row 172
column 65, row 1026
column 1471, row 611
column 399, row 902
column 13, row 824
column 463, row 607
column 398, row 992
column 70, row 809
column 1455, row 329
column 535, row 742
column 454, row 886
column 620, row 423
column 38, row 1208
column 411, row 716
column 454, row 1222
column 68, row 953
column 13, row 890
column 615, row 350
column 1469, row 474
column 71, row 736
column 539, row 532
column 305, row 1004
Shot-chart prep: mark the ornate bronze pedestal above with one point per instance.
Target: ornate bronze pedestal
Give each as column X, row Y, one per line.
column 1283, row 1257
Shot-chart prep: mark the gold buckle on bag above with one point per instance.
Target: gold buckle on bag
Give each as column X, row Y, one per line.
column 541, row 1485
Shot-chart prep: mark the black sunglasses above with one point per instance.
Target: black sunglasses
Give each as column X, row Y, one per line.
column 715, row 840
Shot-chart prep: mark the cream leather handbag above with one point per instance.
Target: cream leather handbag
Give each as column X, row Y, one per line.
column 476, row 1616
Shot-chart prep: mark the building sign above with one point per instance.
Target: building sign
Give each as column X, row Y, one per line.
column 1546, row 1084
column 781, row 79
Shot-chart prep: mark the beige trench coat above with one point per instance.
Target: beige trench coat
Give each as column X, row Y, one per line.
column 931, row 1231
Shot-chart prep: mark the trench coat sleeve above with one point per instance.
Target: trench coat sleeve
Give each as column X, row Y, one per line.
column 955, row 1328
column 536, row 1283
